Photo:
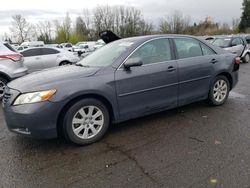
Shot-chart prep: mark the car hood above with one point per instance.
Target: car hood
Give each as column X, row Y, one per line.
column 49, row 77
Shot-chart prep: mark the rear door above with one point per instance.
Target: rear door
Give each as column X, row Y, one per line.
column 238, row 46
column 33, row 59
column 50, row 57
column 195, row 64
column 150, row 87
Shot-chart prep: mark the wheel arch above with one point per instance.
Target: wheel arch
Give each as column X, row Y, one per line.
column 64, row 61
column 5, row 76
column 101, row 98
column 228, row 76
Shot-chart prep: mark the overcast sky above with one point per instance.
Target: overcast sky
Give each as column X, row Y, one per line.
column 35, row 11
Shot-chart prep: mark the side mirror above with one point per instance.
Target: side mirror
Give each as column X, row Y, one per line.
column 133, row 62
column 232, row 45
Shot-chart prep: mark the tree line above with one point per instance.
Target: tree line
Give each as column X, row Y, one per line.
column 124, row 21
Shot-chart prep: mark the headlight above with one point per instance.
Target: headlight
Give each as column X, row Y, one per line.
column 34, row 97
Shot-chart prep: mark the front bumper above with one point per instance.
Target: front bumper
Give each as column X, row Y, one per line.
column 38, row 120
column 235, row 78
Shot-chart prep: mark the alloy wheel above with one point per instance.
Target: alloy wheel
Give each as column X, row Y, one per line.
column 220, row 90
column 2, row 87
column 87, row 122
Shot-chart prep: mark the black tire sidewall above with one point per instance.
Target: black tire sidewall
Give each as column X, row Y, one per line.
column 211, row 99
column 67, row 121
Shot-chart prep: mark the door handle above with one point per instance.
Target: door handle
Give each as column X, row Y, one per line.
column 214, row 61
column 171, row 69
column 37, row 58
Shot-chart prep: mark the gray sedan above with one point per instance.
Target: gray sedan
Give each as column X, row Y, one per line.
column 125, row 79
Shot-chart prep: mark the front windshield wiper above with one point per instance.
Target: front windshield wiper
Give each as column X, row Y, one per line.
column 81, row 65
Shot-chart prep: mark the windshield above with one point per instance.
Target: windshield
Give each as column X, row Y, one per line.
column 106, row 55
column 222, row 42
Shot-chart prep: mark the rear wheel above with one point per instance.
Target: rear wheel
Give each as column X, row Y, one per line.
column 219, row 91
column 246, row 59
column 3, row 83
column 86, row 121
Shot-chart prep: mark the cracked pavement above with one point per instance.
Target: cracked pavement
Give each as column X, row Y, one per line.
column 193, row 146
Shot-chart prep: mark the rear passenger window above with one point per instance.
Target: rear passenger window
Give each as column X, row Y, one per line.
column 49, row 51
column 154, row 51
column 206, row 50
column 187, row 47
column 32, row 52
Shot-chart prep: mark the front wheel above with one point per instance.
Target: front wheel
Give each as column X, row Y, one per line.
column 3, row 83
column 86, row 121
column 219, row 91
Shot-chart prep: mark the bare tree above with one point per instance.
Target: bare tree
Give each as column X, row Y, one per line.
column 175, row 23
column 44, row 31
column 20, row 28
column 125, row 21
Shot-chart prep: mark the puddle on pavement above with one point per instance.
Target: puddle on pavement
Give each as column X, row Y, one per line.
column 236, row 95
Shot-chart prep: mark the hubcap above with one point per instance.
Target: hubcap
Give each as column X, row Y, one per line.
column 220, row 90
column 247, row 58
column 2, row 87
column 87, row 122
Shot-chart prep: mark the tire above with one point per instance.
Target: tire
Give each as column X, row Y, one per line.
column 86, row 128
column 3, row 83
column 219, row 91
column 246, row 58
column 65, row 63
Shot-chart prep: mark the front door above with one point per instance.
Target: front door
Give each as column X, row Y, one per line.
column 150, row 87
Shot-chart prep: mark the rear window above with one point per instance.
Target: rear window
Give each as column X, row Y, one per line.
column 187, row 48
column 222, row 42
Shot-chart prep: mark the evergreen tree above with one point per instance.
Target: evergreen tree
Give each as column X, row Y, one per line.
column 245, row 17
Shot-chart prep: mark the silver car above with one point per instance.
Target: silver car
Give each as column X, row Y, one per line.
column 234, row 44
column 36, row 59
column 11, row 65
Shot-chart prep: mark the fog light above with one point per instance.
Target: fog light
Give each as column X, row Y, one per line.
column 22, row 131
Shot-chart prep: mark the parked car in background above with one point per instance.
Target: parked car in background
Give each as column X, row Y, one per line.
column 89, row 45
column 20, row 48
column 36, row 59
column 11, row 65
column 67, row 46
column 125, row 79
column 247, row 37
column 100, row 43
column 33, row 44
column 82, row 48
column 234, row 44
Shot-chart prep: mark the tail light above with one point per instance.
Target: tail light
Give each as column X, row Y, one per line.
column 237, row 61
column 13, row 57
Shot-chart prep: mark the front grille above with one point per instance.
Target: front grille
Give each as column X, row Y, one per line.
column 6, row 97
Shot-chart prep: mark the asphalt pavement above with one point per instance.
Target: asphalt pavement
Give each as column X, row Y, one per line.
column 193, row 146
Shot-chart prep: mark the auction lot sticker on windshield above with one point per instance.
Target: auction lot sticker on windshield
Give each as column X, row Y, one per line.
column 127, row 44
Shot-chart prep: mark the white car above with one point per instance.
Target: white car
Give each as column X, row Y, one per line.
column 67, row 46
column 36, row 59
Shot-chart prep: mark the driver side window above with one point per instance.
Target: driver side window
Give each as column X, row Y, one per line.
column 236, row 42
column 155, row 51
